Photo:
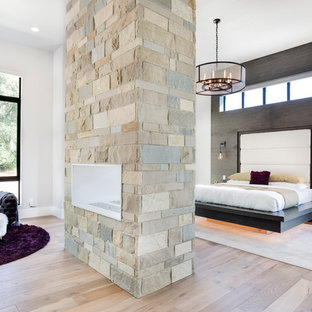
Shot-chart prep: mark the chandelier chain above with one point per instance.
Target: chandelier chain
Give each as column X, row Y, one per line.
column 217, row 41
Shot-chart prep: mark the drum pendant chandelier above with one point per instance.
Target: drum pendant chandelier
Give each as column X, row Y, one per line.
column 219, row 77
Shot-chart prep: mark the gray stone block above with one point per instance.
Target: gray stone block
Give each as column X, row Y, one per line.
column 86, row 237
column 164, row 3
column 106, row 233
column 123, row 280
column 110, row 249
column 182, row 119
column 189, row 26
column 177, row 211
column 184, row 176
column 154, row 154
column 173, row 101
column 179, row 81
column 71, row 246
column 188, row 232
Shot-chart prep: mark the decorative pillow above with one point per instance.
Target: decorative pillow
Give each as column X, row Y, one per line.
column 287, row 177
column 259, row 177
column 240, row 176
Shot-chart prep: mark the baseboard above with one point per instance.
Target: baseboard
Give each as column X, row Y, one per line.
column 33, row 212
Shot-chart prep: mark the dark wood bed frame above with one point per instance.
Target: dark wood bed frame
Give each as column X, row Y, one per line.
column 279, row 221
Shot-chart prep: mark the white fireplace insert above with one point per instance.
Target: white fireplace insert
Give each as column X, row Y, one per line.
column 97, row 188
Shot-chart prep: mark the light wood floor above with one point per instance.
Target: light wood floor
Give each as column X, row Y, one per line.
column 225, row 280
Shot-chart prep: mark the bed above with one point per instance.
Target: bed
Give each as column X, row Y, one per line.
column 264, row 207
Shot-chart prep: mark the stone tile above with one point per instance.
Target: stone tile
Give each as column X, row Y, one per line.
column 175, row 140
column 86, row 237
column 125, row 268
column 154, row 226
column 175, row 236
column 155, row 202
column 177, row 211
column 186, row 219
column 71, row 246
column 153, row 242
column 85, row 92
column 179, row 81
column 127, row 282
column 183, row 248
column 155, row 282
column 182, row 270
column 160, row 154
column 183, row 119
column 98, row 52
column 153, row 46
column 103, row 15
column 128, row 243
column 173, row 101
column 188, row 232
column 182, row 9
column 155, row 18
column 106, row 233
column 184, row 176
column 187, row 105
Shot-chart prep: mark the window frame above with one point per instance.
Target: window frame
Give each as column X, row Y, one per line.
column 264, row 98
column 17, row 100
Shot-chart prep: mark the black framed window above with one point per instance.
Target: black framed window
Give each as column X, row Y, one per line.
column 10, row 124
column 276, row 93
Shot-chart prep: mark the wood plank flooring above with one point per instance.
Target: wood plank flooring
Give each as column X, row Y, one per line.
column 225, row 280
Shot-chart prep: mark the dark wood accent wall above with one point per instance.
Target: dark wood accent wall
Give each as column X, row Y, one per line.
column 226, row 125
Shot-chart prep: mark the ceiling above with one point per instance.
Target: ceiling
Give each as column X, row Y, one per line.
column 249, row 28
column 18, row 16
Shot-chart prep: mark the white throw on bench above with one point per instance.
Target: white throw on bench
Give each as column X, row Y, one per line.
column 3, row 224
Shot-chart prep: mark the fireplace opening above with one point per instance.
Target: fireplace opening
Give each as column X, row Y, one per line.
column 97, row 188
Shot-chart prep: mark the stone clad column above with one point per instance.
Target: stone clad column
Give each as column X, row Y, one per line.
column 130, row 100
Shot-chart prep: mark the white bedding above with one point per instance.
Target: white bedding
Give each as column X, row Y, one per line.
column 251, row 199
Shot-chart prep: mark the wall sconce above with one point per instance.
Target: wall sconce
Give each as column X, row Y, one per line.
column 222, row 145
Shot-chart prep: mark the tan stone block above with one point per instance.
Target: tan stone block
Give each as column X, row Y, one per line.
column 73, row 12
column 154, row 74
column 82, row 223
column 104, row 268
column 183, row 248
column 155, row 282
column 100, row 120
column 83, row 254
column 101, row 85
column 182, row 270
column 155, row 18
column 132, row 126
column 155, row 202
column 173, row 65
column 132, row 177
column 146, row 54
column 123, row 60
column 153, row 242
column 176, row 140
column 123, row 154
column 180, row 8
column 186, row 105
column 179, row 30
column 121, row 115
column 156, row 34
column 150, row 270
column 185, row 47
column 155, row 215
column 94, row 261
column 175, row 236
column 153, row 114
column 186, row 219
column 186, row 69
column 103, row 15
column 154, row 226
column 91, row 215
column 127, row 34
column 153, row 127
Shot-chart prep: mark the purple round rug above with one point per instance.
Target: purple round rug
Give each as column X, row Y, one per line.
column 21, row 241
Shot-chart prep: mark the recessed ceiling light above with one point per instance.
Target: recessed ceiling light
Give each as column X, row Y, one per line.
column 35, row 29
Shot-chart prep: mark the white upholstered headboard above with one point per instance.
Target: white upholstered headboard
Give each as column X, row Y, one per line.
column 286, row 151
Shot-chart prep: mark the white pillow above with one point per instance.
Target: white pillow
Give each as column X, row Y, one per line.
column 300, row 186
column 237, row 182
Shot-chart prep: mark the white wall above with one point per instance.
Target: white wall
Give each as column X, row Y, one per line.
column 203, row 139
column 37, row 138
column 58, row 131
